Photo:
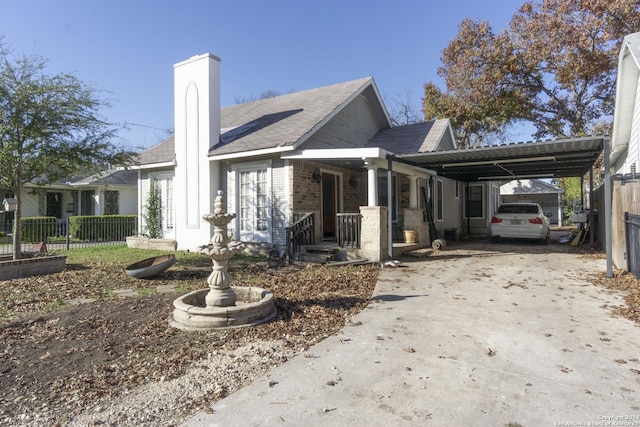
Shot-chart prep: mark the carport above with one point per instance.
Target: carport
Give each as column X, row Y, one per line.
column 561, row 158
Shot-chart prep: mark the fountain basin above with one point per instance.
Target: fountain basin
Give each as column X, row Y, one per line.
column 253, row 306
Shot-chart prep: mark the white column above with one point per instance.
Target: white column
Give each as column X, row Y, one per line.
column 372, row 185
column 413, row 192
column 608, row 207
column 197, row 129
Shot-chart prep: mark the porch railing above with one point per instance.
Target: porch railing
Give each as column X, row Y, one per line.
column 300, row 233
column 349, row 230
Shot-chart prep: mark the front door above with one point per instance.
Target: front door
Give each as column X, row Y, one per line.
column 328, row 205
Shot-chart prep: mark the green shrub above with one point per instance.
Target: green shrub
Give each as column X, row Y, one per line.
column 153, row 211
column 38, row 228
column 103, row 227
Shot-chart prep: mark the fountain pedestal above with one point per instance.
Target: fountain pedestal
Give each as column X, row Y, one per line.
column 222, row 306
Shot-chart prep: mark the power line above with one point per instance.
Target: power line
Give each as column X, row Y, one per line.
column 143, row 126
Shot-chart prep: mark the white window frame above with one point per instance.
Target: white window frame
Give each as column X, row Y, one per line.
column 167, row 202
column 253, row 233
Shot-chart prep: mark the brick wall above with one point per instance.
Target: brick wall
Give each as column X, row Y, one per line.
column 305, row 192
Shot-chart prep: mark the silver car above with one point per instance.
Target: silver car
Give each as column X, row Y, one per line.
column 520, row 221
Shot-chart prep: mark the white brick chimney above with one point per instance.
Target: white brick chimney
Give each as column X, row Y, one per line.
column 197, row 128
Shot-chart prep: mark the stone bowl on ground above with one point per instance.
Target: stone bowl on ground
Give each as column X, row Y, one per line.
column 151, row 266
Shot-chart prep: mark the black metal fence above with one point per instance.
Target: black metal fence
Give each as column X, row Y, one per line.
column 69, row 233
column 632, row 236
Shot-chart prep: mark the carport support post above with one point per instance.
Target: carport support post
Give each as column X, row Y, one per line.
column 592, row 231
column 390, row 196
column 466, row 206
column 581, row 193
column 607, row 206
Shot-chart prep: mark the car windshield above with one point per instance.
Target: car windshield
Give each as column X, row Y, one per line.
column 518, row 209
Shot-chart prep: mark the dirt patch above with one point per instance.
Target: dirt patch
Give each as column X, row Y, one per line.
column 115, row 361
column 59, row 364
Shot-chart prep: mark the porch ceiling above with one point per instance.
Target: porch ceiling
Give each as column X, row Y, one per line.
column 562, row 158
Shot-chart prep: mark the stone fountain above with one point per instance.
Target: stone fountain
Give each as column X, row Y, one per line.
column 222, row 306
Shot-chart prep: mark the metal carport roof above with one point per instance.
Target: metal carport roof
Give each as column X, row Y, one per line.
column 561, row 158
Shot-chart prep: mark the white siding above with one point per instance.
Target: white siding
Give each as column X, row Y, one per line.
column 279, row 203
column 633, row 155
column 231, row 197
column 353, row 127
column 29, row 204
column 633, row 151
column 128, row 201
column 452, row 206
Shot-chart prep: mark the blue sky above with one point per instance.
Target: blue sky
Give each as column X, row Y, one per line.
column 128, row 48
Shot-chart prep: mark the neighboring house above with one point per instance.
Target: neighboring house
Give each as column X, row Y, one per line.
column 548, row 195
column 327, row 151
column 625, row 145
column 625, row 157
column 112, row 192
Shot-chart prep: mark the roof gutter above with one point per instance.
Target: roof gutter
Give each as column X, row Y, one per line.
column 253, row 153
column 161, row 165
column 375, row 155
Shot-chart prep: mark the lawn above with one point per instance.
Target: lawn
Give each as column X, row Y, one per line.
column 72, row 345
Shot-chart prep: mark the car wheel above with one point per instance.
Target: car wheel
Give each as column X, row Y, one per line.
column 545, row 241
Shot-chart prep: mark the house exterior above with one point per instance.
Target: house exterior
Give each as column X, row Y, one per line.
column 548, row 195
column 111, row 192
column 327, row 152
column 625, row 156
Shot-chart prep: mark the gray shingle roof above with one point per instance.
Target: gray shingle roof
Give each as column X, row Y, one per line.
column 283, row 120
column 415, row 138
column 273, row 122
column 110, row 177
column 160, row 153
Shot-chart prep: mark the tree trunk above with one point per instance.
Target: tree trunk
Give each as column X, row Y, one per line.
column 17, row 225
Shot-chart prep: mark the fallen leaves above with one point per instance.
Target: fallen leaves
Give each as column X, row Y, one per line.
column 83, row 353
column 630, row 286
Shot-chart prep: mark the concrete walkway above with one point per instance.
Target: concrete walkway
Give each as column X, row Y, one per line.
column 477, row 334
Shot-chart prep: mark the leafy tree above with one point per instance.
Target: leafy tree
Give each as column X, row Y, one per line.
column 554, row 67
column 50, row 128
column 153, row 211
column 478, row 106
column 572, row 194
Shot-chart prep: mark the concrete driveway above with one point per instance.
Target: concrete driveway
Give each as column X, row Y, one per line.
column 477, row 334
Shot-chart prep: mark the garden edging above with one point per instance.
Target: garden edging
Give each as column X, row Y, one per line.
column 26, row 267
